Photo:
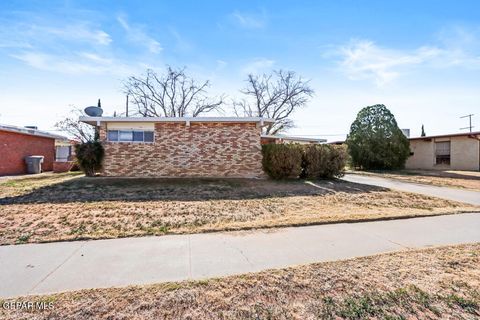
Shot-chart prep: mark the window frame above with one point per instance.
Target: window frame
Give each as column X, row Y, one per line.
column 132, row 131
column 108, row 135
column 442, row 158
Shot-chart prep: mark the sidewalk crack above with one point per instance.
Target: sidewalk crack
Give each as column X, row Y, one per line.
column 56, row 268
column 374, row 235
column 242, row 254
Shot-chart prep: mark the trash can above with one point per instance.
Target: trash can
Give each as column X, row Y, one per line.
column 34, row 164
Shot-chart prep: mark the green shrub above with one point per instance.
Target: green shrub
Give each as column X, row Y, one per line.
column 323, row 161
column 338, row 161
column 312, row 161
column 282, row 161
column 375, row 141
column 90, row 156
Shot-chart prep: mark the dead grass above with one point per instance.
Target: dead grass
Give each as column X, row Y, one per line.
column 92, row 208
column 457, row 179
column 11, row 186
column 431, row 283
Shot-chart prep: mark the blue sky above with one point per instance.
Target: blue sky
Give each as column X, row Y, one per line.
column 420, row 58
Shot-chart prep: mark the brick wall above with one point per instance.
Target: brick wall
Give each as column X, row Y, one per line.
column 62, row 166
column 198, row 150
column 14, row 147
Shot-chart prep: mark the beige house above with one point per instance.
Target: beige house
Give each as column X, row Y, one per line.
column 280, row 139
column 459, row 151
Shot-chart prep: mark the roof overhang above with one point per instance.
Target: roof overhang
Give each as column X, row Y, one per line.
column 474, row 135
column 31, row 132
column 96, row 121
column 293, row 138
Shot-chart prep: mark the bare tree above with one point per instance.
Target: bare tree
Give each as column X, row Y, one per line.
column 275, row 96
column 80, row 131
column 173, row 94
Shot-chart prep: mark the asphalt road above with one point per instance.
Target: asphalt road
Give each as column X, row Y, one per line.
column 465, row 196
column 64, row 266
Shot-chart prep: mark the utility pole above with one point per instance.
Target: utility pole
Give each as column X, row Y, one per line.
column 126, row 106
column 470, row 122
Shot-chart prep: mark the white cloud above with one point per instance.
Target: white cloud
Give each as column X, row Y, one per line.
column 249, row 20
column 459, row 37
column 363, row 59
column 221, row 64
column 137, row 35
column 181, row 44
column 44, row 61
column 80, row 64
column 96, row 58
column 257, row 65
column 76, row 47
column 12, row 43
column 23, row 35
column 79, row 32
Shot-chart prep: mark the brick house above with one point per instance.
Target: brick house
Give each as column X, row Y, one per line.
column 180, row 147
column 18, row 142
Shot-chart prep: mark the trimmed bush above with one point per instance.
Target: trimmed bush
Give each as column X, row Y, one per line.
column 89, row 157
column 282, row 161
column 322, row 161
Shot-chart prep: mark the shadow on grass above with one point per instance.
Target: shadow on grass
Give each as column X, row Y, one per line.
column 83, row 189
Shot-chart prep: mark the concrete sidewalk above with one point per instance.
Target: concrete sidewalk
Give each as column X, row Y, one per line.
column 64, row 266
column 455, row 194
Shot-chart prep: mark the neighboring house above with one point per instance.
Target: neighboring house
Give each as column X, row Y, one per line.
column 460, row 151
column 64, row 155
column 337, row 143
column 279, row 139
column 16, row 143
column 180, row 147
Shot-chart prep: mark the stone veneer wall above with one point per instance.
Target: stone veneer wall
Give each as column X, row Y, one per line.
column 199, row 150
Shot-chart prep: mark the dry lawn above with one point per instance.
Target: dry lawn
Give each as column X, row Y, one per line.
column 456, row 179
column 76, row 207
column 431, row 283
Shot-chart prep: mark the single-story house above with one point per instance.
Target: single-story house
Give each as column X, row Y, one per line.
column 16, row 143
column 338, row 142
column 64, row 155
column 181, row 146
column 279, row 139
column 458, row 151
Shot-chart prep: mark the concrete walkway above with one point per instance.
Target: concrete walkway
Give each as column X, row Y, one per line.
column 64, row 266
column 465, row 196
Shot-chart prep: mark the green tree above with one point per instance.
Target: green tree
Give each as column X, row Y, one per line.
column 375, row 141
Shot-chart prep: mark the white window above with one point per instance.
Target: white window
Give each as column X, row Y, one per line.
column 130, row 136
column 125, row 136
column 63, row 153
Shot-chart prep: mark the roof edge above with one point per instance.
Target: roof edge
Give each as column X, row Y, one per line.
column 462, row 134
column 31, row 132
column 274, row 136
column 97, row 120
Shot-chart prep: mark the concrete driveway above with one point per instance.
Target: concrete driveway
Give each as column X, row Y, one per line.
column 465, row 196
column 64, row 266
